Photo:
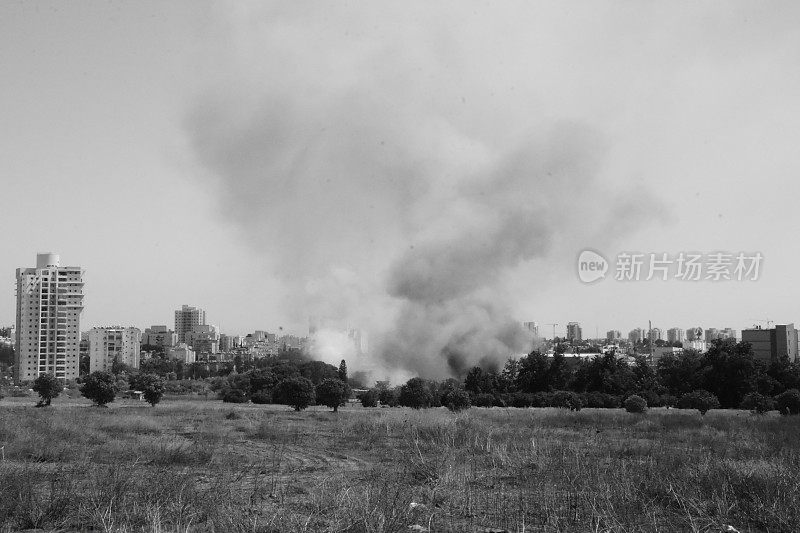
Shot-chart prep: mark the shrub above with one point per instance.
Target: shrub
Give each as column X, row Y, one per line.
column 652, row 398
column 521, row 399
column 457, row 400
column 369, row 398
column 788, row 402
column 48, row 387
column 702, row 400
column 19, row 392
column 333, row 392
column 541, row 399
column 757, row 403
column 99, row 388
column 230, row 394
column 415, row 394
column 483, row 399
column 567, row 399
column 296, row 392
column 635, row 404
column 261, row 397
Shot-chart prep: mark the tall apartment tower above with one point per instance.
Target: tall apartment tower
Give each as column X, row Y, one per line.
column 574, row 331
column 49, row 305
column 186, row 318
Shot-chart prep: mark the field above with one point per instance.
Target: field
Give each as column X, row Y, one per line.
column 208, row 466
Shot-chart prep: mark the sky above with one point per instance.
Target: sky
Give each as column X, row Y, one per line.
column 428, row 172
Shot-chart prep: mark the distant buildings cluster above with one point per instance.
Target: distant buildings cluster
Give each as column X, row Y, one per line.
column 768, row 344
column 47, row 337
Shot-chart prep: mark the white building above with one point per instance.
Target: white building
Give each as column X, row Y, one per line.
column 182, row 353
column 112, row 343
column 186, row 318
column 203, row 339
column 675, row 335
column 49, row 305
column 159, row 336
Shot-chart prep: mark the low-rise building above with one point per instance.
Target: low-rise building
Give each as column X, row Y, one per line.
column 773, row 344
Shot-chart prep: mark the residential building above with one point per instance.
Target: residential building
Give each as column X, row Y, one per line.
column 675, row 335
column 574, row 332
column 533, row 327
column 49, row 305
column 182, row 352
column 613, row 335
column 696, row 344
column 712, row 334
column 661, row 351
column 114, row 343
column 636, row 335
column 186, row 318
column 159, row 336
column 772, row 344
column 728, row 333
column 203, row 338
column 656, row 335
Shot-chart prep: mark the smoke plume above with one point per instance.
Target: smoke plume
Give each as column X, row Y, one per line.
column 386, row 187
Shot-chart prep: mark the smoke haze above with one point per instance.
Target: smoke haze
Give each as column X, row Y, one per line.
column 377, row 160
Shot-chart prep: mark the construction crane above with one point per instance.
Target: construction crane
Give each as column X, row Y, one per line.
column 554, row 329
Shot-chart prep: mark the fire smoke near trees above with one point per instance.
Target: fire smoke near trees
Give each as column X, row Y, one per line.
column 367, row 154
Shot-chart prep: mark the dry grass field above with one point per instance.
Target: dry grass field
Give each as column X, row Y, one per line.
column 208, row 466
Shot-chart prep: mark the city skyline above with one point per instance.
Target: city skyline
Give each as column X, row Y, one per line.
column 377, row 163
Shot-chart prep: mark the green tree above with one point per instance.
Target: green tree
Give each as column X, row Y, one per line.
column 532, row 375
column 415, row 394
column 702, row 400
column 333, row 393
column 757, row 403
column 99, row 388
column 47, row 386
column 369, row 398
column 457, row 400
column 152, row 386
column 635, row 404
column 296, row 392
column 342, row 371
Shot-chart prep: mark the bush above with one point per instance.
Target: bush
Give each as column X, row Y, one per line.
column 20, row 392
column 541, row 399
column 757, row 403
column 296, row 392
column 457, row 400
column 333, row 392
column 230, row 394
column 262, row 397
column 99, row 388
column 521, row 399
column 567, row 399
column 415, row 394
column 702, row 400
column 483, row 399
column 48, row 387
column 788, row 402
column 369, row 398
column 636, row 404
column 652, row 398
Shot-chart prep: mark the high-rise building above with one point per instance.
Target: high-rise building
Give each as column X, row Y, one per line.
column 675, row 335
column 186, row 318
column 533, row 327
column 656, row 334
column 159, row 336
column 613, row 335
column 49, row 305
column 712, row 334
column 728, row 333
column 574, row 332
column 113, row 343
column 636, row 335
column 773, row 344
